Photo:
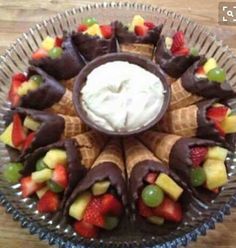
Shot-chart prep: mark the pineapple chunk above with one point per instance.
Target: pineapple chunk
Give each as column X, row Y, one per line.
column 42, row 191
column 100, row 188
column 209, row 65
column 217, row 153
column 54, row 157
column 229, row 124
column 137, row 21
column 169, row 186
column 94, row 30
column 5, row 137
column 48, row 43
column 216, row 174
column 31, row 124
column 168, row 42
column 27, row 87
column 41, row 176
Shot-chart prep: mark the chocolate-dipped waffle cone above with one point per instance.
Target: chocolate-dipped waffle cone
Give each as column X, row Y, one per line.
column 159, row 143
column 69, row 84
column 145, row 50
column 90, row 145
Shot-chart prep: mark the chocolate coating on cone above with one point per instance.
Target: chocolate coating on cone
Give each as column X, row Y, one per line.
column 173, row 65
column 75, row 170
column 49, row 92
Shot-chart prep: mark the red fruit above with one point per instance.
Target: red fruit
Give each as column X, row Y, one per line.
column 200, row 70
column 39, row 54
column 28, row 140
column 28, row 186
column 85, row 229
column 178, row 41
column 60, row 175
column 219, row 128
column 19, row 77
column 217, row 114
column 18, row 134
column 106, row 31
column 150, row 25
column 151, row 177
column 58, row 42
column 184, row 51
column 169, row 210
column 93, row 213
column 82, row 28
column 143, row 209
column 198, row 155
column 49, row 203
column 110, row 205
column 216, row 190
column 140, row 30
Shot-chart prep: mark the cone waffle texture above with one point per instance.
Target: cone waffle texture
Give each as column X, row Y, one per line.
column 181, row 121
column 73, row 126
column 69, row 84
column 159, row 143
column 90, row 145
column 65, row 105
column 180, row 97
column 145, row 50
column 136, row 152
column 112, row 153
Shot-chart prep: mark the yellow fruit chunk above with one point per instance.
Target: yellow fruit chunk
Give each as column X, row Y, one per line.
column 27, row 87
column 137, row 21
column 168, row 42
column 209, row 65
column 5, row 137
column 42, row 191
column 100, row 188
column 229, row 124
column 30, row 123
column 54, row 157
column 217, row 153
column 94, row 30
column 78, row 207
column 169, row 186
column 48, row 43
column 216, row 174
column 41, row 176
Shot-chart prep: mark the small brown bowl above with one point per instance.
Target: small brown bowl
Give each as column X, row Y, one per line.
column 134, row 59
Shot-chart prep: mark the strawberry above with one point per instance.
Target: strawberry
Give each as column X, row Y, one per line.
column 85, row 229
column 93, row 213
column 19, row 77
column 217, row 114
column 198, row 155
column 60, row 175
column 169, row 210
column 28, row 141
column 151, row 177
column 110, row 205
column 28, row 186
column 216, row 190
column 49, row 203
column 143, row 209
column 106, row 31
column 18, row 134
column 200, row 71
column 58, row 42
column 140, row 30
column 183, row 51
column 82, row 28
column 219, row 128
column 178, row 41
column 40, row 54
column 150, row 25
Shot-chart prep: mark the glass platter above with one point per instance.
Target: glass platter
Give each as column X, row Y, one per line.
column 54, row 229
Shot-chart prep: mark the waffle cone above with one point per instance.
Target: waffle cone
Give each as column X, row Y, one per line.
column 65, row 105
column 136, row 152
column 145, row 50
column 112, row 153
column 69, row 84
column 180, row 97
column 73, row 126
column 181, row 121
column 159, row 143
column 90, row 144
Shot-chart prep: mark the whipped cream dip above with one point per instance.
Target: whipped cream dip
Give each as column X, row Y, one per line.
column 120, row 96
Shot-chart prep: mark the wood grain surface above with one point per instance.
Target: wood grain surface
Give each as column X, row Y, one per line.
column 16, row 16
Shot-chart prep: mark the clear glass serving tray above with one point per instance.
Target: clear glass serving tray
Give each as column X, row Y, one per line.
column 199, row 218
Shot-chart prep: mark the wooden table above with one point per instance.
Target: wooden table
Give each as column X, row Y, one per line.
column 16, row 16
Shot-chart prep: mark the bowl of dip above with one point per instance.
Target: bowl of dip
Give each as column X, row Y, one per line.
column 121, row 94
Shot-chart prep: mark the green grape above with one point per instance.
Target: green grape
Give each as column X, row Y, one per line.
column 217, row 74
column 152, row 195
column 197, row 176
column 55, row 52
column 156, row 220
column 89, row 21
column 40, row 165
column 36, row 78
column 194, row 51
column 111, row 222
column 12, row 172
column 54, row 187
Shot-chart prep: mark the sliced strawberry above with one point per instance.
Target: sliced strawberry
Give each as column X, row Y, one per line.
column 150, row 25
column 219, row 128
column 19, row 77
column 140, row 30
column 198, row 155
column 217, row 114
column 85, row 229
column 82, row 28
column 48, row 203
column 18, row 134
column 184, row 51
column 40, row 54
column 178, row 41
column 106, row 31
column 151, row 177
column 28, row 141
column 60, row 175
column 143, row 209
column 58, row 42
column 28, row 186
column 200, row 71
column 169, row 210
column 93, row 213
column 110, row 205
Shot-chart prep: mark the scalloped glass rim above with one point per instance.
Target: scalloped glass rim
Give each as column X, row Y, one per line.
column 202, row 216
